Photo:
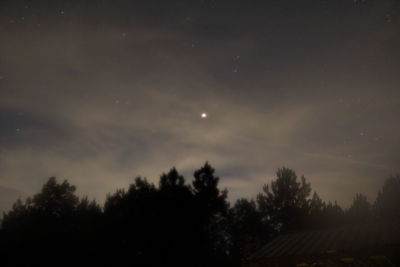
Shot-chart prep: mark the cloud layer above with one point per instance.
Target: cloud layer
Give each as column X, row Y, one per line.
column 101, row 97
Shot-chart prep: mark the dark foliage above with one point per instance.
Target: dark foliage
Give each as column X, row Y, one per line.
column 54, row 224
column 360, row 210
column 387, row 204
column 248, row 231
column 174, row 223
column 285, row 203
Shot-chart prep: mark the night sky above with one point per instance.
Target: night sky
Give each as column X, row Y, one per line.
column 99, row 92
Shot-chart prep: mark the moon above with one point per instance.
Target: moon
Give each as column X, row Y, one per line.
column 204, row 115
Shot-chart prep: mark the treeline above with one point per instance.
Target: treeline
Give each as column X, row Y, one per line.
column 173, row 223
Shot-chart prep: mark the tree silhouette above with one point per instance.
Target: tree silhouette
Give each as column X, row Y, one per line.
column 55, row 200
column 212, row 208
column 285, row 203
column 178, row 220
column 333, row 215
column 156, row 225
column 323, row 215
column 211, row 201
column 360, row 210
column 316, row 218
column 172, row 181
column 387, row 204
column 173, row 223
column 54, row 220
column 248, row 232
column 131, row 223
column 317, row 205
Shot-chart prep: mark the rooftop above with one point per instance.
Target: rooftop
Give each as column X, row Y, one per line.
column 347, row 238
